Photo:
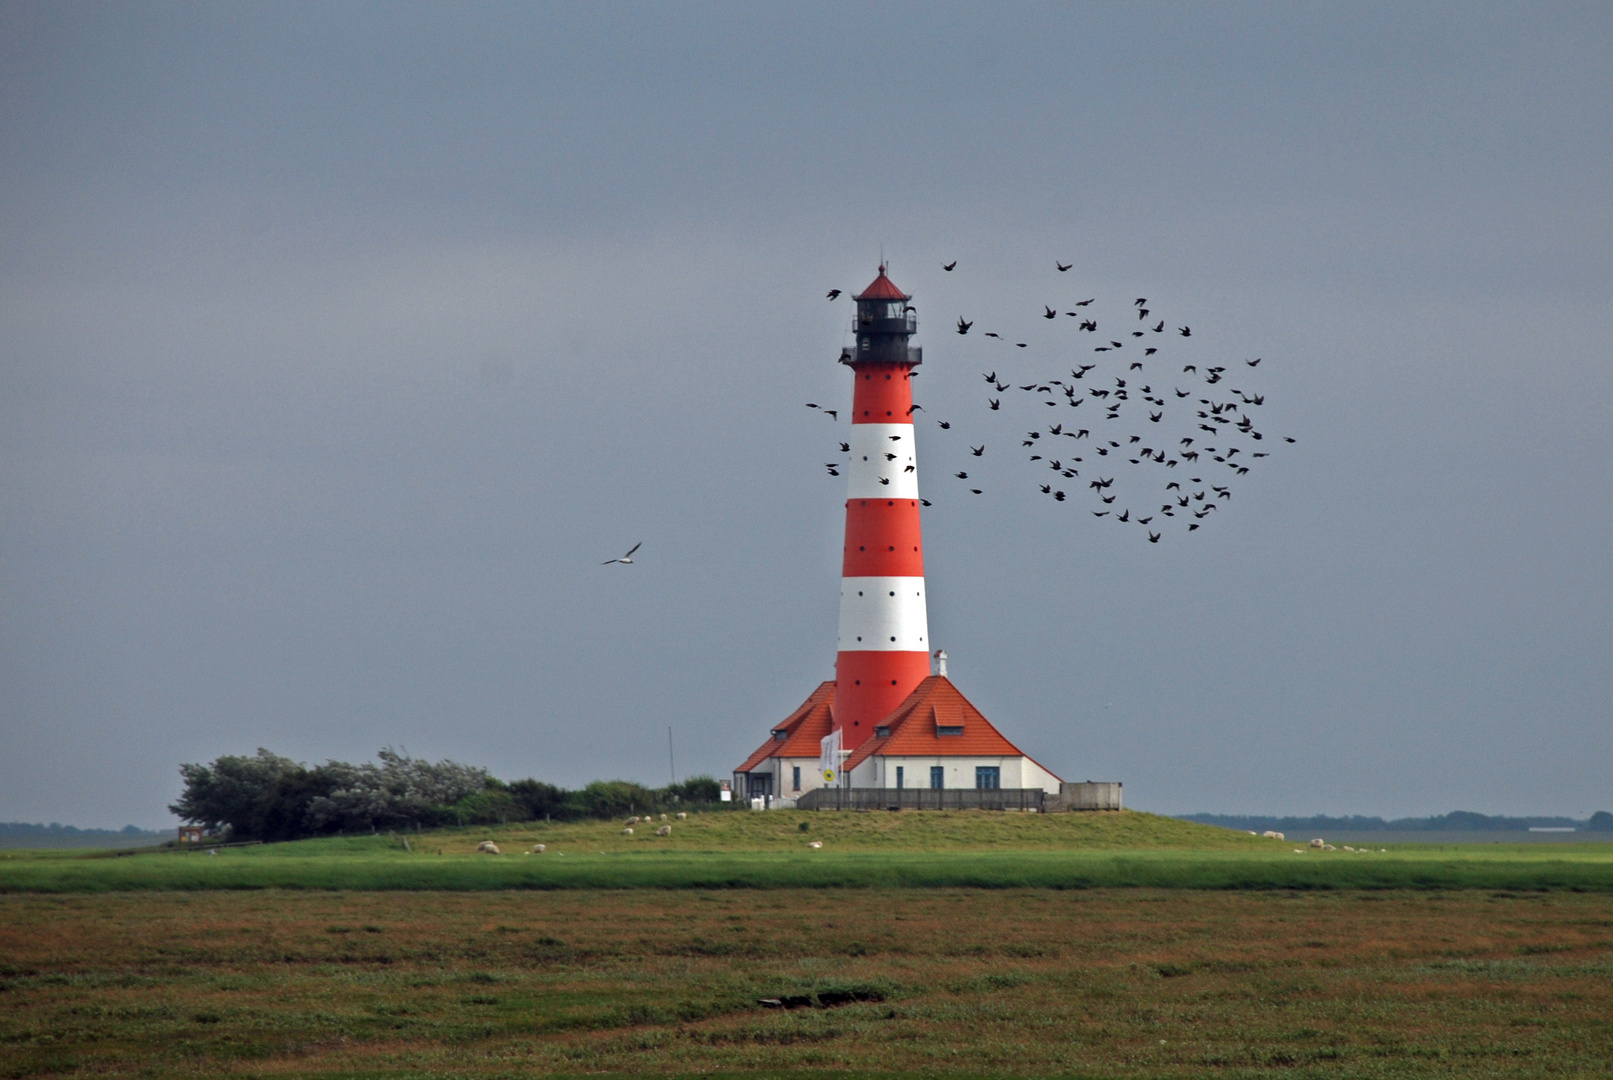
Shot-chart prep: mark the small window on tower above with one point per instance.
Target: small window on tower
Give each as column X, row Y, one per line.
column 895, row 311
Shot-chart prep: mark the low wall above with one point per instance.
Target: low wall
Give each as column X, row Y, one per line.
column 1088, row 795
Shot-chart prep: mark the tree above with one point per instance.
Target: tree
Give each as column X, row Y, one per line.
column 252, row 798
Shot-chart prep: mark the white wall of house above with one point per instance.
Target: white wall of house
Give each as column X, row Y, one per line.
column 1015, row 771
column 782, row 770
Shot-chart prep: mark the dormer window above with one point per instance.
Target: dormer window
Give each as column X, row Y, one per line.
column 882, row 731
column 779, row 734
column 949, row 729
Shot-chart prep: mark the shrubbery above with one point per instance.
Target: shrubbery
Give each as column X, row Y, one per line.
column 268, row 797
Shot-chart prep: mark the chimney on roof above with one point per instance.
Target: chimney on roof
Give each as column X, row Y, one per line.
column 941, row 662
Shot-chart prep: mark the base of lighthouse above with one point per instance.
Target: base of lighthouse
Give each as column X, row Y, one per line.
column 934, row 750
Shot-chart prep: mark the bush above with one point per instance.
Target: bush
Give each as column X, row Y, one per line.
column 538, row 799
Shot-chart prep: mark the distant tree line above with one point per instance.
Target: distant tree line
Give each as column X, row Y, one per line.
column 1456, row 821
column 269, row 797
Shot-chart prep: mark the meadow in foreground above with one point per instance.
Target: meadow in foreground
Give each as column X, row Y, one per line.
column 1122, row 983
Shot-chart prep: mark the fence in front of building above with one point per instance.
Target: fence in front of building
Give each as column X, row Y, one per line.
column 923, row 799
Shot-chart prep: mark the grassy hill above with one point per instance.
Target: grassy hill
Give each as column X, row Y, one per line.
column 770, row 850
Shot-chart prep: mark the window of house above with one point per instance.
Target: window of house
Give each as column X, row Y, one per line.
column 795, row 778
column 937, row 777
column 899, row 778
column 988, row 777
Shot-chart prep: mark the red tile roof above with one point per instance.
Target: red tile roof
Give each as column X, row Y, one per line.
column 883, row 288
column 912, row 728
column 803, row 730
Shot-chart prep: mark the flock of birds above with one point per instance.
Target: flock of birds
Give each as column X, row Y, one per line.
column 1143, row 419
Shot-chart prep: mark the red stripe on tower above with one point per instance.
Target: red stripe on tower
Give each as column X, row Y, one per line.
column 884, row 625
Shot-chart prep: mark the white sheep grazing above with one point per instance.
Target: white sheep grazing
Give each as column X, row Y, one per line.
column 1273, row 834
column 681, row 815
column 539, row 849
column 632, row 821
column 629, row 830
column 1318, row 843
column 488, row 847
column 665, row 830
column 815, row 844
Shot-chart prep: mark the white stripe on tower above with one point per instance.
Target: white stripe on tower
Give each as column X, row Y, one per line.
column 886, row 614
column 884, row 464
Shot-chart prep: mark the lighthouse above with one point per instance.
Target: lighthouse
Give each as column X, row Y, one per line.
column 898, row 734
column 884, row 643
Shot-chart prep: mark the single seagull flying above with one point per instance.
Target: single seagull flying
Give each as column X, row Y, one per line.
column 628, row 558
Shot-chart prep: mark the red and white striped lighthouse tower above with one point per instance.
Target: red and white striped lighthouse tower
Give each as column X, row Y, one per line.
column 884, row 633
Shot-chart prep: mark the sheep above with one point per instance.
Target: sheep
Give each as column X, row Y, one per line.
column 1318, row 843
column 488, row 847
column 681, row 815
column 631, row 821
column 663, row 817
column 1273, row 834
column 665, row 830
column 629, row 830
column 539, row 849
column 815, row 844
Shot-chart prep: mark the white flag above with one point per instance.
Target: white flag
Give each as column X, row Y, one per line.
column 829, row 758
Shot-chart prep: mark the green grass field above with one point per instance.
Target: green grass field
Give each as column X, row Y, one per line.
column 1099, row 945
column 769, row 851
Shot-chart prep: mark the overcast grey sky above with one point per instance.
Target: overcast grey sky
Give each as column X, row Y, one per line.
column 340, row 343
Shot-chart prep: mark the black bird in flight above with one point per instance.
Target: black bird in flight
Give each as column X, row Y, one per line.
column 995, row 405
column 1021, row 344
column 833, row 293
column 1185, row 331
column 992, row 377
column 1160, row 327
column 1255, row 362
column 845, row 448
column 884, row 480
column 1100, row 513
column 963, row 327
column 1142, row 313
column 1084, row 303
column 1050, row 312
column 999, row 337
column 1287, row 439
column 1047, row 489
column 1153, row 538
column 812, row 405
column 978, row 450
column 1062, row 266
column 1140, row 301
column 628, row 558
column 1136, row 365
column 974, row 491
column 948, row 266
column 945, row 426
column 1125, row 515
column 832, row 414
column 926, row 502
column 1058, row 496
column 1149, row 352
column 911, row 408
column 831, row 469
